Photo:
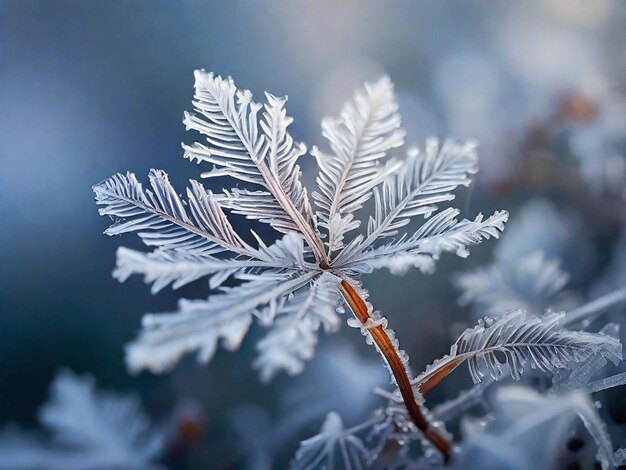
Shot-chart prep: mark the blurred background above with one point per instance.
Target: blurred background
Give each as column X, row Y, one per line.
column 88, row 89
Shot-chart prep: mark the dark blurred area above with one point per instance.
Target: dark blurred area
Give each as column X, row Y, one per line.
column 88, row 89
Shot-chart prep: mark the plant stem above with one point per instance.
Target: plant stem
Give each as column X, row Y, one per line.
column 387, row 349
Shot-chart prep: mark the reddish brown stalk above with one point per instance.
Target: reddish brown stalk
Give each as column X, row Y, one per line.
column 433, row 378
column 382, row 340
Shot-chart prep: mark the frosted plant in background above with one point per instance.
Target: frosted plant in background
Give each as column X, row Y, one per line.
column 294, row 285
column 537, row 227
column 532, row 283
column 338, row 378
column 528, row 430
column 89, row 430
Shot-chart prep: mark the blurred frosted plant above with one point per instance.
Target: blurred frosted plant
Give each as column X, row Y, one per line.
column 529, row 431
column 339, row 379
column 532, row 283
column 597, row 139
column 294, row 285
column 89, row 430
column 537, row 226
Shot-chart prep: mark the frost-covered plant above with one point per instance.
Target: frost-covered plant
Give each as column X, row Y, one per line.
column 294, row 285
column 89, row 430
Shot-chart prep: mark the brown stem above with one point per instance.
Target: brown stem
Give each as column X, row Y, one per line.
column 382, row 340
column 429, row 381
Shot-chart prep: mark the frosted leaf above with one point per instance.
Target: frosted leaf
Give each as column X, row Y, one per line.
column 333, row 447
column 293, row 337
column 527, row 428
column 199, row 325
column 426, row 179
column 518, row 338
column 161, row 218
column 440, row 233
column 227, row 117
column 531, row 283
column 89, row 431
column 367, row 128
column 178, row 268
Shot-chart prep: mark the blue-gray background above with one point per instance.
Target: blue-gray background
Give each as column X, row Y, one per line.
column 88, row 89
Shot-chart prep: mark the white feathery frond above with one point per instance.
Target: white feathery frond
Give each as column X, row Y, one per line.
column 199, row 325
column 440, row 233
column 456, row 239
column 333, row 447
column 161, row 219
column 531, row 283
column 227, row 117
column 367, row 128
column 293, row 336
column 519, row 338
column 178, row 268
column 282, row 153
column 426, row 179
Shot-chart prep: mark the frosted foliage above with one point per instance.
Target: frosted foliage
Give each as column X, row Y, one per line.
column 89, row 431
column 528, row 430
column 292, row 340
column 532, row 283
column 289, row 286
column 518, row 338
